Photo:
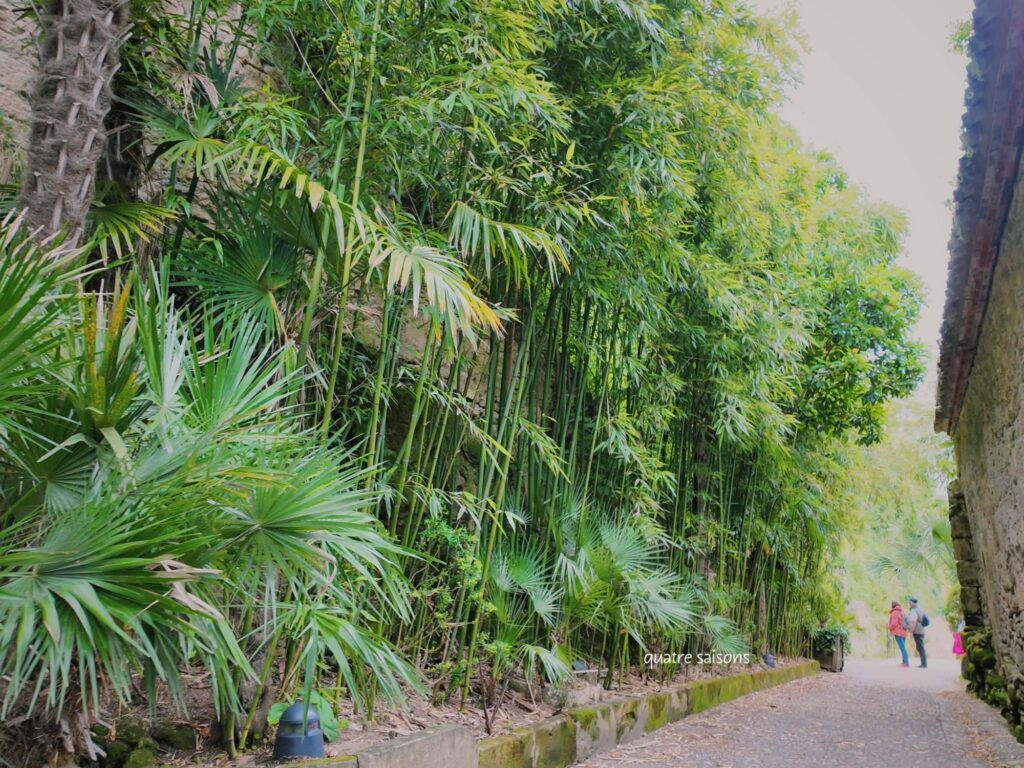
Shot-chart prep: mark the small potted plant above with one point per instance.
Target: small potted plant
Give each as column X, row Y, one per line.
column 830, row 641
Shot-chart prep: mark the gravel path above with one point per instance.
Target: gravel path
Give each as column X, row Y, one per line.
column 872, row 714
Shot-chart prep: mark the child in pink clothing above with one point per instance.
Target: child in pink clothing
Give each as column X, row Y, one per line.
column 958, row 640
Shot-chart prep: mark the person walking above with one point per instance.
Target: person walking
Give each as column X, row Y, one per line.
column 958, row 640
column 898, row 631
column 917, row 620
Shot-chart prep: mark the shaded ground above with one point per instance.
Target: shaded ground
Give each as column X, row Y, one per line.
column 873, row 713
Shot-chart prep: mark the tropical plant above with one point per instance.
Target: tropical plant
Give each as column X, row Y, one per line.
column 537, row 313
column 190, row 504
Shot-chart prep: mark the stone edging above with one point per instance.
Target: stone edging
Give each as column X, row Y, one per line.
column 562, row 740
column 580, row 733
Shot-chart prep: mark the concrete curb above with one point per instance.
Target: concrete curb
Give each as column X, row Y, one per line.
column 450, row 746
column 580, row 733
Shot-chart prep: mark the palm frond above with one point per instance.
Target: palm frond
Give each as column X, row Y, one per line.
column 189, row 140
column 256, row 162
column 440, row 279
column 477, row 236
column 556, row 670
column 122, row 225
column 247, row 267
column 97, row 590
column 324, row 630
column 30, row 320
column 521, row 569
column 232, row 379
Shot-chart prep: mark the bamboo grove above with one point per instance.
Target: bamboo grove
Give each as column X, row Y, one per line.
column 411, row 346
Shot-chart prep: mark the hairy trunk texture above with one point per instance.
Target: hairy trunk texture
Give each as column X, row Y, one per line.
column 79, row 41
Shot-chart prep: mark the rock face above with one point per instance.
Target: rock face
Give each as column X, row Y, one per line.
column 987, row 509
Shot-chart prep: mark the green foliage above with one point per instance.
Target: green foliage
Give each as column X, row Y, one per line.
column 899, row 541
column 29, row 326
column 960, row 37
column 549, row 290
column 824, row 638
column 190, row 501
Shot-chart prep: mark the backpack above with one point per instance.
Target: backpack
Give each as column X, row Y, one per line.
column 925, row 621
column 906, row 621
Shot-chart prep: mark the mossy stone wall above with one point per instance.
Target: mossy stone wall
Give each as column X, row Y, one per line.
column 988, row 520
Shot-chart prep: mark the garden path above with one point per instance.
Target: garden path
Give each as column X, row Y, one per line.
column 874, row 713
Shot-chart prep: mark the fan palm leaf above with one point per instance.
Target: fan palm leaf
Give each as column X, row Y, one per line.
column 97, row 590
column 30, row 319
column 246, row 266
column 120, row 226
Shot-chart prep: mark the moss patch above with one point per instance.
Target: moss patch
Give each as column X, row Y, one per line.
column 179, row 737
column 657, row 712
column 595, row 730
column 341, row 761
column 594, row 721
column 984, row 680
column 677, row 704
column 705, row 694
column 626, row 713
column 130, row 730
column 511, row 751
column 117, row 753
column 554, row 743
column 141, row 758
column 585, row 717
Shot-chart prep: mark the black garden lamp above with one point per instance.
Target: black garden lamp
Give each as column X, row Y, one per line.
column 298, row 733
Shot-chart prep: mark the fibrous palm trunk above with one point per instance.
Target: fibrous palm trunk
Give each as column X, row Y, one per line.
column 78, row 56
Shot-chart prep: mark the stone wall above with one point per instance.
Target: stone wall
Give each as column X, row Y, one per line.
column 968, row 565
column 989, row 440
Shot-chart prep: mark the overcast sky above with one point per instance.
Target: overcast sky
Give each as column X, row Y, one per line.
column 883, row 92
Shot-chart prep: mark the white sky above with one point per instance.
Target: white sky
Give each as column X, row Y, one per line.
column 883, row 92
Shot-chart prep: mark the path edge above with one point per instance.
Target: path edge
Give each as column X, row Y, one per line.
column 560, row 741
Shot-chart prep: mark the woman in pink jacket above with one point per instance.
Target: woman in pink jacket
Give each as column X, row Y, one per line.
column 897, row 630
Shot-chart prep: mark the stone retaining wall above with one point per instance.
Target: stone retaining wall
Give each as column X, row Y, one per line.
column 987, row 520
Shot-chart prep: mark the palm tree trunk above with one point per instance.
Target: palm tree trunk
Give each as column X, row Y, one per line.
column 79, row 42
